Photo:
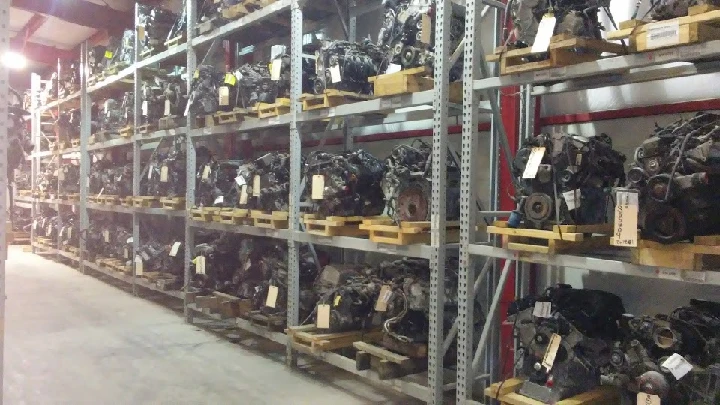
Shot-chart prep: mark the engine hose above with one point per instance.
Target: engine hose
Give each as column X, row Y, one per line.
column 396, row 319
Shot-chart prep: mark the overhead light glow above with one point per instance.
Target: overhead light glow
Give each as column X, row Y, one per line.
column 14, row 60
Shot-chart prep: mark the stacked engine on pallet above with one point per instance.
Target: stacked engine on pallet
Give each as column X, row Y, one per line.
column 166, row 171
column 673, row 356
column 110, row 178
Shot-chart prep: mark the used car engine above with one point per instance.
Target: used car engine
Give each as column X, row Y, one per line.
column 572, row 183
column 346, row 66
column 675, row 173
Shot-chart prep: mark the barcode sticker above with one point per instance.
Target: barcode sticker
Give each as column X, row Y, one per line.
column 663, row 34
column 533, row 163
column 626, row 216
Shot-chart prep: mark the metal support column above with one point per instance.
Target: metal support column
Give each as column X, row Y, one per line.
column 35, row 128
column 468, row 211
column 137, row 170
column 4, row 124
column 190, row 15
column 293, row 282
column 438, row 212
column 85, row 129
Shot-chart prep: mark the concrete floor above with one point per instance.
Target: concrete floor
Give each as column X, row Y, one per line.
column 73, row 339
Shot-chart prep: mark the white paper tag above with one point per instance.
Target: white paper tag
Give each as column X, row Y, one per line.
column 256, row 185
column 206, row 172
column 144, row 107
column 663, row 34
column 677, row 365
column 48, row 230
column 240, row 181
column 275, row 69
column 533, row 162
column 543, row 309
column 106, row 235
column 224, row 95
column 138, row 266
column 126, row 253
column 318, row 187
column 87, row 184
column 383, row 298
column 572, row 199
column 545, row 31
column 174, row 249
column 551, row 352
column 323, row 316
column 200, row 265
column 164, row 174
column 219, row 200
column 61, row 175
column 271, row 299
column 150, row 170
column 69, row 232
column 392, row 68
column 243, row 195
column 335, row 76
column 166, row 112
column 626, row 215
column 647, row 399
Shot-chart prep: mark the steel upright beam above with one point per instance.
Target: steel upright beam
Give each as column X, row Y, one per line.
column 85, row 130
column 468, row 212
column 438, row 214
column 4, row 124
column 293, row 282
column 190, row 15
column 35, row 136
column 137, row 111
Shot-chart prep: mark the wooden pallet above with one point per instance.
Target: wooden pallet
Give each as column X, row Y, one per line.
column 702, row 24
column 19, row 238
column 235, row 11
column 561, row 238
column 274, row 220
column 235, row 216
column 331, row 98
column 383, row 230
column 271, row 322
column 506, row 393
column 198, row 214
column 114, row 69
column 146, row 201
column 146, row 129
column 411, row 81
column 229, row 117
column 24, row 193
column 95, row 199
column 228, row 306
column 309, row 339
column 564, row 50
column 126, row 201
column 334, row 226
column 173, row 42
column 127, row 132
column 170, row 122
column 386, row 363
column 109, row 199
column 279, row 107
column 173, row 203
column 702, row 254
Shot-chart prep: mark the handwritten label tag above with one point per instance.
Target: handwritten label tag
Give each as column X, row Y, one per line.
column 256, row 185
column 138, row 266
column 663, row 34
column 551, row 352
column 174, row 249
column 243, row 195
column 164, row 174
column 318, row 187
column 383, row 298
column 677, row 365
column 323, row 316
column 272, row 296
column 224, row 95
column 544, row 34
column 275, row 69
column 335, row 76
column 626, row 215
column 647, row 399
column 533, row 163
column 543, row 309
column 572, row 199
column 200, row 265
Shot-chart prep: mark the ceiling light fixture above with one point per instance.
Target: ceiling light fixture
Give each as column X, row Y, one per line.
column 14, row 60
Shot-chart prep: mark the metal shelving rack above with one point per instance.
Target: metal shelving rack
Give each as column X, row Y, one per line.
column 296, row 125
